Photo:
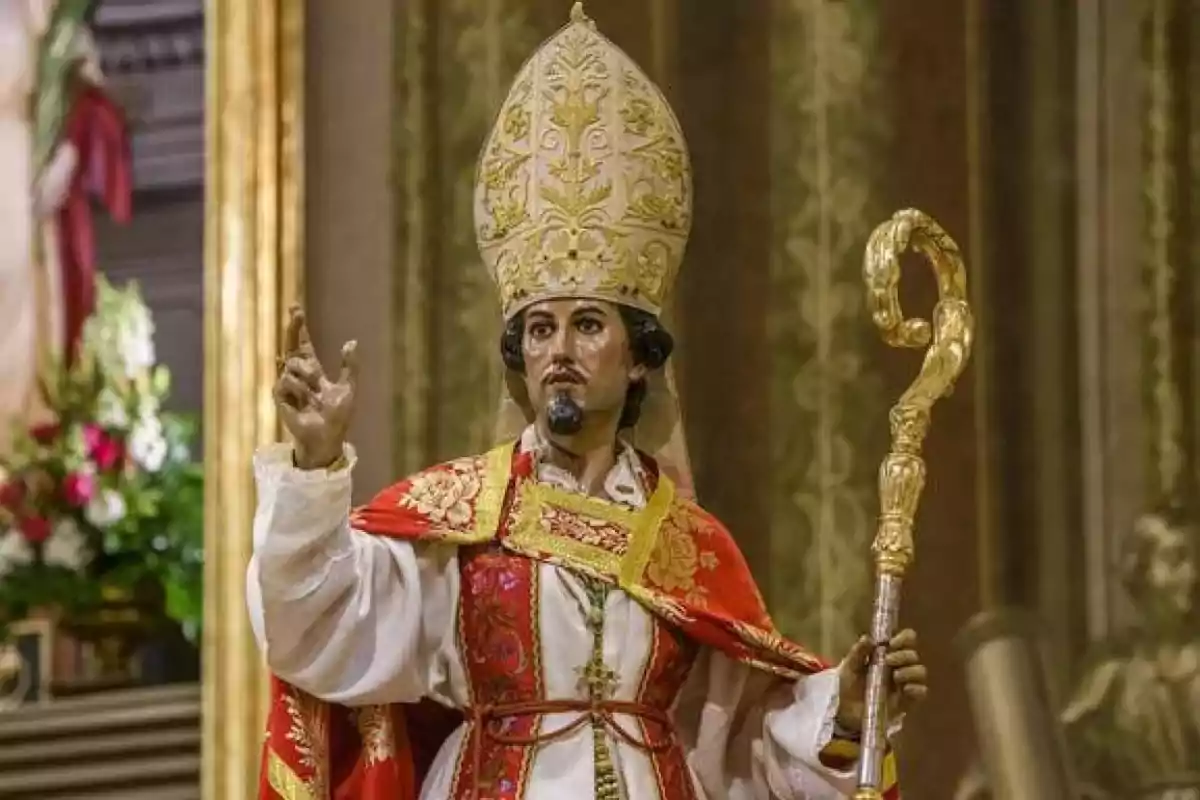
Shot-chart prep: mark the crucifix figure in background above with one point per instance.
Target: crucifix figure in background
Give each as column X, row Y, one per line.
column 62, row 141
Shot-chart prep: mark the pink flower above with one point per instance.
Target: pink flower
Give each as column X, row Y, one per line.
column 45, row 433
column 35, row 529
column 12, row 494
column 105, row 451
column 79, row 488
column 93, row 435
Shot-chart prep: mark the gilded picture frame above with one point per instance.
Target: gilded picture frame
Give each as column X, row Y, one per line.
column 254, row 201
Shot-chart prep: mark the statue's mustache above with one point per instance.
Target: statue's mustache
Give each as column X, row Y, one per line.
column 560, row 374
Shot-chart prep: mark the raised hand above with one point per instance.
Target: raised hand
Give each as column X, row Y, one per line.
column 909, row 678
column 315, row 410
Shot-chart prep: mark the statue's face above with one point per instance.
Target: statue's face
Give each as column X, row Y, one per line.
column 578, row 348
column 1171, row 572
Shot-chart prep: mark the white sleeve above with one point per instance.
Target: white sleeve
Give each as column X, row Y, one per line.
column 345, row 616
column 750, row 736
column 797, row 726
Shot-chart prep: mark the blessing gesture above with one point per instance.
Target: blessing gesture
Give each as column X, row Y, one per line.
column 315, row 410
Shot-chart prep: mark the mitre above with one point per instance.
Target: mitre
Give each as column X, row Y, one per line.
column 583, row 187
column 584, row 190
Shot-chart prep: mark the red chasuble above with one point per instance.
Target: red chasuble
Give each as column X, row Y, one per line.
column 675, row 559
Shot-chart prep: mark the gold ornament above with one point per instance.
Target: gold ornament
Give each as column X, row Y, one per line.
column 902, row 474
column 584, row 186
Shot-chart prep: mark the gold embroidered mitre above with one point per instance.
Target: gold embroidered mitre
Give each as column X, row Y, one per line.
column 584, row 188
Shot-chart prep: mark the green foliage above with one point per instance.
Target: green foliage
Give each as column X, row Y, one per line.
column 60, row 47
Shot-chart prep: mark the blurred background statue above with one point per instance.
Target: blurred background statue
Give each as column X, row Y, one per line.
column 62, row 140
column 1134, row 720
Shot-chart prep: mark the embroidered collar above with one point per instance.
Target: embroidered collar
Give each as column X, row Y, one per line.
column 625, row 483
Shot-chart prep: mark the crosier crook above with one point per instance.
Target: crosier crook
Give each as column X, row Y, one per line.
column 902, row 473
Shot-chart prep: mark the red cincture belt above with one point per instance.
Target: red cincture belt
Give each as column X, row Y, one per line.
column 483, row 719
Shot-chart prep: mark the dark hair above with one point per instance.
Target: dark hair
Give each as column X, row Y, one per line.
column 650, row 343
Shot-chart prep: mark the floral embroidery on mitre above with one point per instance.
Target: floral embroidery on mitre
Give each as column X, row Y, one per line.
column 447, row 496
column 678, row 557
column 584, row 184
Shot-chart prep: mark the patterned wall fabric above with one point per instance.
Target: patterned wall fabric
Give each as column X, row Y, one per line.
column 455, row 61
column 1191, row 257
column 828, row 409
column 1171, row 163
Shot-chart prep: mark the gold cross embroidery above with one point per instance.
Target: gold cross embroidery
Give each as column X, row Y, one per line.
column 600, row 681
column 598, row 678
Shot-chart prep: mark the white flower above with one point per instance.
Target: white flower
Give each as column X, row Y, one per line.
column 14, row 551
column 106, row 508
column 120, row 333
column 147, row 444
column 110, row 410
column 66, row 546
column 148, row 405
column 137, row 341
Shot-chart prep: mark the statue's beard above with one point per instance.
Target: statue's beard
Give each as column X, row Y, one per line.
column 564, row 417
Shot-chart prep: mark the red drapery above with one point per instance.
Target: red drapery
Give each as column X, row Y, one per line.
column 96, row 128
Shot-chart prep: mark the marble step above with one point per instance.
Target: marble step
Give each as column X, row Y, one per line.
column 128, row 745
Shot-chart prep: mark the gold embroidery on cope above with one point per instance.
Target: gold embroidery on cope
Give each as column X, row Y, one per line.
column 678, row 557
column 668, row 608
column 592, row 532
column 464, row 498
column 597, row 537
column 446, row 496
column 375, row 727
column 497, row 470
column 570, row 529
column 770, row 641
column 284, row 781
column 308, row 735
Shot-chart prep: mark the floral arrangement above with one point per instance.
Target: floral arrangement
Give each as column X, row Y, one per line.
column 104, row 497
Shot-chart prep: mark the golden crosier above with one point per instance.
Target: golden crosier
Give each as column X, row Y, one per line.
column 881, row 272
column 902, row 474
column 901, row 480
